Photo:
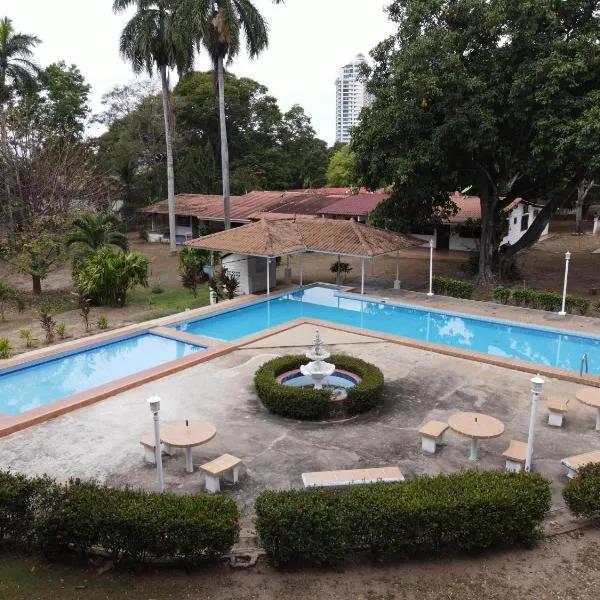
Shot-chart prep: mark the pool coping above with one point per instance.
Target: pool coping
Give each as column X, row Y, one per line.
column 216, row 348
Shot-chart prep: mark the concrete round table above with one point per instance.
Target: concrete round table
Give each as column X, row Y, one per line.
column 591, row 397
column 187, row 434
column 476, row 426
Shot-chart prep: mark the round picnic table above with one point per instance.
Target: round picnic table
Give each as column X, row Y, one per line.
column 476, row 426
column 187, row 434
column 591, row 397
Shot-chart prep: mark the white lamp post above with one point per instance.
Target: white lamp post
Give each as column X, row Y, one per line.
column 563, row 312
column 430, row 292
column 536, row 389
column 154, row 404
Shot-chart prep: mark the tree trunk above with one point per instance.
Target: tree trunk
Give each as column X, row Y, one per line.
column 37, row 284
column 224, row 146
column 583, row 189
column 4, row 142
column 488, row 201
column 170, row 174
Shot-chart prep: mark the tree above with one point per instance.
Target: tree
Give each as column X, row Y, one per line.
column 340, row 169
column 498, row 95
column 153, row 38
column 219, row 25
column 17, row 71
column 191, row 268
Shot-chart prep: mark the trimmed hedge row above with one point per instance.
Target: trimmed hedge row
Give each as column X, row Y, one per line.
column 130, row 524
column 456, row 288
column 582, row 494
column 311, row 404
column 426, row 515
column 540, row 299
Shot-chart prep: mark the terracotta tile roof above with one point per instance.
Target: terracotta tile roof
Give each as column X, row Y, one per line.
column 278, row 237
column 468, row 208
column 195, row 205
column 358, row 205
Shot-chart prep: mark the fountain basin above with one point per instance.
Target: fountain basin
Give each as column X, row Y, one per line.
column 339, row 379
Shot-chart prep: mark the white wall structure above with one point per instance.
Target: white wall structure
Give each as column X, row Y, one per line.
column 251, row 272
column 350, row 98
column 520, row 219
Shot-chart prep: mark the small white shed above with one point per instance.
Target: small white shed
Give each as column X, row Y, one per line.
column 251, row 272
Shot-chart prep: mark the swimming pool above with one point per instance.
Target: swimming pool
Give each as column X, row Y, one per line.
column 33, row 384
column 544, row 346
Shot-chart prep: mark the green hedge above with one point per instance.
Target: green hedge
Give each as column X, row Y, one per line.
column 541, row 299
column 456, row 288
column 310, row 404
column 426, row 515
column 130, row 524
column 582, row 494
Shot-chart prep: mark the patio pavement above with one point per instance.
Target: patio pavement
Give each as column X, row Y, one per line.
column 101, row 441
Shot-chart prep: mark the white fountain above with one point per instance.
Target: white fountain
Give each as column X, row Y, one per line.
column 317, row 369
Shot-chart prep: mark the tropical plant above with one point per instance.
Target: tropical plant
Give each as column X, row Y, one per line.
column 84, row 306
column 27, row 337
column 90, row 231
column 5, row 348
column 191, row 268
column 107, row 274
column 219, row 25
column 153, row 39
column 17, row 71
column 47, row 323
column 61, row 330
column 224, row 285
column 102, row 322
column 339, row 267
column 8, row 294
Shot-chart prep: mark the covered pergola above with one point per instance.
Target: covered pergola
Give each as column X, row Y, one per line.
column 273, row 238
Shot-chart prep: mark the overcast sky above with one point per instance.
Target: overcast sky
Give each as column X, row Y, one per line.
column 309, row 41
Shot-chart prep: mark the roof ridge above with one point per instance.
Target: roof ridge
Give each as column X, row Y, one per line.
column 360, row 236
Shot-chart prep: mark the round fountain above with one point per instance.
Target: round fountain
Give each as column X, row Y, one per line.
column 317, row 369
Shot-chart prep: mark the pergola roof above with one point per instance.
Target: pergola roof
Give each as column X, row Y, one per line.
column 278, row 237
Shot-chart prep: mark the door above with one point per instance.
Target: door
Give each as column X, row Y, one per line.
column 443, row 238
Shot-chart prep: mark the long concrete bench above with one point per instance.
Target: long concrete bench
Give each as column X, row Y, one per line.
column 574, row 463
column 515, row 456
column 226, row 466
column 351, row 477
column 557, row 407
column 432, row 434
column 148, row 445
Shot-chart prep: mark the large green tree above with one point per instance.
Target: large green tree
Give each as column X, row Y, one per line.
column 499, row 95
column 340, row 172
column 154, row 39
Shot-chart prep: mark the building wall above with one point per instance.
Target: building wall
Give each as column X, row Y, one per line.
column 251, row 272
column 520, row 219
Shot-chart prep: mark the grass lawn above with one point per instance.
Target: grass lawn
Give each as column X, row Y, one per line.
column 170, row 300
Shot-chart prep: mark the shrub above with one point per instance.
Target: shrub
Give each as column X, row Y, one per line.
column 102, row 322
column 47, row 323
column 522, row 296
column 581, row 305
column 191, row 268
column 27, row 337
column 311, row 404
column 107, row 274
column 83, row 303
column 582, row 494
column 502, row 294
column 157, row 288
column 143, row 235
column 340, row 267
column 439, row 285
column 61, row 330
column 596, row 305
column 5, row 348
column 426, row 515
column 550, row 301
column 452, row 287
column 224, row 285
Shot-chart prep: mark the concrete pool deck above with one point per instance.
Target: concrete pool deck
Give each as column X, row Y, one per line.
column 101, row 441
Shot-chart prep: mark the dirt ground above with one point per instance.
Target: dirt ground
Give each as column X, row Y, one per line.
column 565, row 567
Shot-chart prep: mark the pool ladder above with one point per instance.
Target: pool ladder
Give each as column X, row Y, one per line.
column 584, row 363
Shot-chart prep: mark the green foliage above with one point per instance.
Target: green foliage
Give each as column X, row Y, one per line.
column 84, row 306
column 456, row 288
column 107, row 274
column 90, row 231
column 47, row 323
column 502, row 294
column 143, row 235
column 596, row 305
column 550, row 301
column 130, row 524
column 582, row 493
column 8, row 296
column 523, row 296
column 340, row 267
column 61, row 330
column 27, row 337
column 311, row 404
column 102, row 322
column 444, row 514
column 224, row 284
column 340, row 170
column 5, row 348
column 191, row 268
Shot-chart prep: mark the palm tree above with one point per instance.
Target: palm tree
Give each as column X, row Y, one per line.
column 219, row 25
column 17, row 71
column 94, row 230
column 153, row 39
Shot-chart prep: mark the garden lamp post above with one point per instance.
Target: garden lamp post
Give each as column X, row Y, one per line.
column 563, row 312
column 430, row 292
column 536, row 389
column 154, row 404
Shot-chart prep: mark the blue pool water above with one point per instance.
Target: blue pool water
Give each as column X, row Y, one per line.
column 29, row 386
column 500, row 338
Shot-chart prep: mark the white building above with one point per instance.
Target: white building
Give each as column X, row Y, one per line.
column 350, row 98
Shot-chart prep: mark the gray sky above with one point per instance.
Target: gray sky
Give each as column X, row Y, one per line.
column 310, row 40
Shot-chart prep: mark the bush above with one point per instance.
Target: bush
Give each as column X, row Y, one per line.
column 102, row 322
column 596, row 305
column 582, row 494
column 27, row 337
column 143, row 235
column 456, row 288
column 502, row 294
column 426, row 515
column 47, row 323
column 191, row 268
column 523, row 296
column 340, row 267
column 61, row 330
column 311, row 404
column 5, row 348
column 550, row 301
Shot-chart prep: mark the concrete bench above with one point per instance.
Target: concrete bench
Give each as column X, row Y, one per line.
column 574, row 463
column 515, row 456
column 148, row 445
column 557, row 407
column 351, row 477
column 432, row 434
column 226, row 465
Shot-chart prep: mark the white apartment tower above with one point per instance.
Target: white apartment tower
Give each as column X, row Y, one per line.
column 351, row 96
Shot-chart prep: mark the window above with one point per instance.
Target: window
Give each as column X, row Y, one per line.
column 182, row 221
column 524, row 222
column 525, row 208
column 515, row 221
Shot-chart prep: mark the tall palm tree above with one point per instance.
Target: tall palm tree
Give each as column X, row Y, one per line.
column 94, row 230
column 17, row 71
column 219, row 26
column 153, row 39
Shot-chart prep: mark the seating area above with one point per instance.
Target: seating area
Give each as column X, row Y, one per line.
column 574, row 463
column 432, row 434
column 351, row 477
column 557, row 408
column 515, row 456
